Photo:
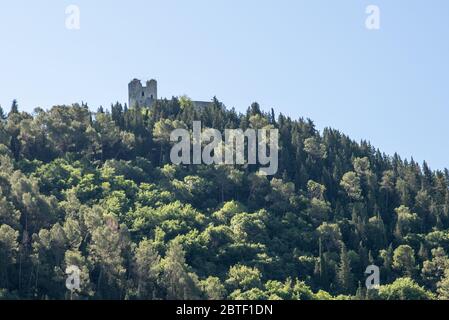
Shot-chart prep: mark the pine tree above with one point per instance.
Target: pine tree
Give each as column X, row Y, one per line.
column 423, row 253
column 2, row 114
column 147, row 268
column 443, row 287
column 8, row 252
column 178, row 282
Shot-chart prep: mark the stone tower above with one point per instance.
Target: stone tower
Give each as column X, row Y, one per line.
column 144, row 96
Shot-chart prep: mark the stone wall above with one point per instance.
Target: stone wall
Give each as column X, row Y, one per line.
column 144, row 96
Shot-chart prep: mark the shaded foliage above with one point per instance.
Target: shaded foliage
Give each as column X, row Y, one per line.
column 96, row 190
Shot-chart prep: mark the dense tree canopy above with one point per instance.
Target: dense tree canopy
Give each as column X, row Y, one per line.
column 97, row 190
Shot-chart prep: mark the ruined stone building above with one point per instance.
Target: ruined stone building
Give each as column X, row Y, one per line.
column 145, row 96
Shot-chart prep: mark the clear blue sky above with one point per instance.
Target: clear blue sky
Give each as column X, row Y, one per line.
column 311, row 58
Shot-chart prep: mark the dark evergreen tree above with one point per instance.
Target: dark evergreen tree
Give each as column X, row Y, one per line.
column 14, row 108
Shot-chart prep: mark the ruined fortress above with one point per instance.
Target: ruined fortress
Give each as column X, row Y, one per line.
column 145, row 96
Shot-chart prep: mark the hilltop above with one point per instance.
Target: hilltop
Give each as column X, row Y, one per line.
column 97, row 191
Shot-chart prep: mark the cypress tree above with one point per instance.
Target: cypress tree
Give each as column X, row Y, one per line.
column 344, row 271
column 14, row 107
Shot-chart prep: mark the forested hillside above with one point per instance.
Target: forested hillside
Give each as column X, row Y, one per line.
column 97, row 190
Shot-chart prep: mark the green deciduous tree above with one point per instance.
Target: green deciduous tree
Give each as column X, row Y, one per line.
column 404, row 289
